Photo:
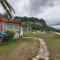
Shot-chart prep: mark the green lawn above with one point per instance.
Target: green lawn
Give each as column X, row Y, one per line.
column 28, row 34
column 53, row 43
column 5, row 48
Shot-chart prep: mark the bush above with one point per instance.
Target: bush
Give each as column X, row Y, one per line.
column 9, row 35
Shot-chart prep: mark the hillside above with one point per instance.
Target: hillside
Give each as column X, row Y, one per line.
column 35, row 23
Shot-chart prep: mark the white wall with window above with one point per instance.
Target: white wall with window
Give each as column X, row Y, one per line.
column 16, row 27
column 10, row 26
column 7, row 26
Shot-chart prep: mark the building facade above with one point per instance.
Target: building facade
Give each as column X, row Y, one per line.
column 10, row 24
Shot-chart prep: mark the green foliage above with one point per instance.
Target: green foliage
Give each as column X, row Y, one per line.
column 28, row 34
column 32, row 22
column 9, row 35
column 5, row 15
column 36, row 23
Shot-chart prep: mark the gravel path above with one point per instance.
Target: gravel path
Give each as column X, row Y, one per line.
column 43, row 53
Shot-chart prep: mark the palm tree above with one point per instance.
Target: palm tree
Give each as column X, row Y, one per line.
column 7, row 7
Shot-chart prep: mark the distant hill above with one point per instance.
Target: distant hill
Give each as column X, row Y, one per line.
column 56, row 27
column 35, row 23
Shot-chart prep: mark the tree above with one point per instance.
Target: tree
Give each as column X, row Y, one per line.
column 5, row 15
column 7, row 7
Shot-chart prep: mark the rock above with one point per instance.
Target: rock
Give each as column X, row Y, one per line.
column 43, row 53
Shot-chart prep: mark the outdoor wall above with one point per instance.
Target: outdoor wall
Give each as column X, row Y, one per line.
column 0, row 26
column 10, row 26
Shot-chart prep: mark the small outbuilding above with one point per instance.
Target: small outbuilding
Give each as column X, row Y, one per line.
column 29, row 30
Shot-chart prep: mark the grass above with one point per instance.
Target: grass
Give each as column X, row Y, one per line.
column 53, row 43
column 28, row 34
column 22, row 49
column 4, row 48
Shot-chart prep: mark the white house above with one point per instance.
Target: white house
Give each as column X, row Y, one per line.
column 11, row 24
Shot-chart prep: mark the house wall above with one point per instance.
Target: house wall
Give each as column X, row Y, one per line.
column 4, row 26
column 10, row 26
column 0, row 26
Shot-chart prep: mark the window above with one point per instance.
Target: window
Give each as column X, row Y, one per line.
column 8, row 26
column 15, row 27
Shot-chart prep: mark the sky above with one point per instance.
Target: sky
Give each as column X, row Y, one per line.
column 47, row 9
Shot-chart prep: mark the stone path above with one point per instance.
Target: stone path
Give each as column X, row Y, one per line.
column 43, row 53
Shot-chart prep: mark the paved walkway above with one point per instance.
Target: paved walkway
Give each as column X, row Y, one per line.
column 43, row 53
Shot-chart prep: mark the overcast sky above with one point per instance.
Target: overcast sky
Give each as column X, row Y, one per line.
column 47, row 9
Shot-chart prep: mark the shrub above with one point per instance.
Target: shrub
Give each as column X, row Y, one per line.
column 9, row 35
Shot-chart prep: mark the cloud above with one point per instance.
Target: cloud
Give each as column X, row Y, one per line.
column 47, row 9
column 33, row 7
column 1, row 9
column 37, row 6
column 20, row 6
column 52, row 15
column 56, row 26
column 30, row 7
